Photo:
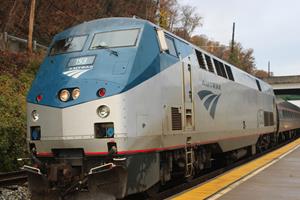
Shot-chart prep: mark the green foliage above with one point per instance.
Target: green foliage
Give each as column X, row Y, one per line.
column 242, row 58
column 17, row 72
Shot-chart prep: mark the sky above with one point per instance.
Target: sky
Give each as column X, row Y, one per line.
column 270, row 27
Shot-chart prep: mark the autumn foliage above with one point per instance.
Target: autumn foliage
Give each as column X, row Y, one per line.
column 53, row 16
column 17, row 71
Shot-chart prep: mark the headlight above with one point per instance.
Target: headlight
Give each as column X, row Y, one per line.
column 103, row 111
column 35, row 115
column 64, row 95
column 75, row 93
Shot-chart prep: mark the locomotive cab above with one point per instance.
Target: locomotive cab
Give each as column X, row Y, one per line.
column 76, row 117
column 87, row 63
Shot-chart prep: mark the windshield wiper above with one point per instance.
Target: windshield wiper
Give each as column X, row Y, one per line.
column 107, row 48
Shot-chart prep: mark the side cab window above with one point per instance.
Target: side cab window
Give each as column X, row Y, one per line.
column 166, row 43
column 171, row 46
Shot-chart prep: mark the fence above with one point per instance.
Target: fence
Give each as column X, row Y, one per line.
column 13, row 43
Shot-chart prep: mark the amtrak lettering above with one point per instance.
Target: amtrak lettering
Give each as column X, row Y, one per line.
column 81, row 67
column 77, row 71
column 211, row 85
column 210, row 101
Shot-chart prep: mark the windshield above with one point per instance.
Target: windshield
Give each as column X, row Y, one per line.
column 70, row 44
column 122, row 38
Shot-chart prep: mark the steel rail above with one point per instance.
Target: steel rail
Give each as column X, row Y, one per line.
column 13, row 178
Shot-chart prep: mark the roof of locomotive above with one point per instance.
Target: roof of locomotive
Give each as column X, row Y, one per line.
column 238, row 70
column 117, row 23
column 103, row 25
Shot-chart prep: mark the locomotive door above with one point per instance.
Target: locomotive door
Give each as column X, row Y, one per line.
column 188, row 114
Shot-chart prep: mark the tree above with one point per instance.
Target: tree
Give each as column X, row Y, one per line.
column 11, row 16
column 54, row 16
column 168, row 14
column 240, row 57
column 261, row 74
column 213, row 47
column 188, row 21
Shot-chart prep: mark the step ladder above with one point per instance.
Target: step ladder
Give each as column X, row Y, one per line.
column 188, row 158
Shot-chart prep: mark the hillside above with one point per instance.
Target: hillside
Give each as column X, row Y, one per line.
column 17, row 71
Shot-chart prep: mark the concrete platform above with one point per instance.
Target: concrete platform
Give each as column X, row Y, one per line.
column 279, row 181
column 275, row 175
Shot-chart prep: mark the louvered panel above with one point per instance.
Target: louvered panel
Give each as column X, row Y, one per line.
column 266, row 118
column 176, row 119
column 269, row 118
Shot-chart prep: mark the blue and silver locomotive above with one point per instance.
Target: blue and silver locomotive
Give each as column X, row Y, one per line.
column 120, row 105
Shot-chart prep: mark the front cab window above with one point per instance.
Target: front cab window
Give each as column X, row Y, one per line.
column 67, row 45
column 120, row 38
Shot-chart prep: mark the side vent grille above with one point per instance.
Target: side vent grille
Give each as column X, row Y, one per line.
column 268, row 118
column 176, row 119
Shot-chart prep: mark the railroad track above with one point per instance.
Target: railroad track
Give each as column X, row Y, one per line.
column 13, row 178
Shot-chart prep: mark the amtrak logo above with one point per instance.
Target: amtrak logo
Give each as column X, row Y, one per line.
column 75, row 72
column 211, row 101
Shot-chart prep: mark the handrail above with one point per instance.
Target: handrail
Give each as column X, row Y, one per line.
column 21, row 40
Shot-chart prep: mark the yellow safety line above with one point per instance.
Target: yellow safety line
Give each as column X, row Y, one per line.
column 213, row 186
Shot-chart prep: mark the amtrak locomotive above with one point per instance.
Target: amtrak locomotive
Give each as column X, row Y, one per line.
column 120, row 105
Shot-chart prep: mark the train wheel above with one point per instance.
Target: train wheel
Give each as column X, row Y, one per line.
column 263, row 143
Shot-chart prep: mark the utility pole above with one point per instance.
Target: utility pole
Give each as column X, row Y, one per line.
column 269, row 68
column 232, row 40
column 157, row 13
column 31, row 23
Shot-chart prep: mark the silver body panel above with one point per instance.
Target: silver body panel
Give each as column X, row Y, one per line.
column 141, row 116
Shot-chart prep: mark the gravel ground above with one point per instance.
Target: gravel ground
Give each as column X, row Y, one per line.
column 14, row 193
